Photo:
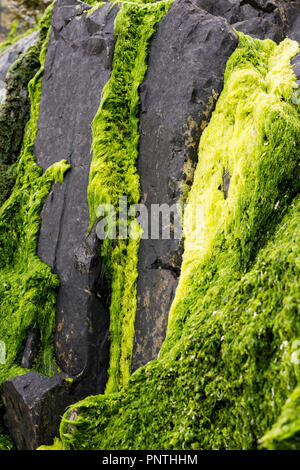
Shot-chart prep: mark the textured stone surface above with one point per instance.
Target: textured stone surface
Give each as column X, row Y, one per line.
column 78, row 65
column 273, row 19
column 11, row 54
column 26, row 12
column 290, row 12
column 34, row 406
column 186, row 66
column 31, row 350
column 18, row 65
column 6, row 18
column 8, row 81
column 187, row 61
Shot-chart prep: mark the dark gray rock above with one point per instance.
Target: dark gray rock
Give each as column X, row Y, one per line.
column 19, row 64
column 296, row 68
column 34, row 405
column 78, row 65
column 290, row 13
column 186, row 66
column 187, row 62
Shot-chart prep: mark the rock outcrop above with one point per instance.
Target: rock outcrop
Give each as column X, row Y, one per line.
column 172, row 120
column 80, row 53
column 262, row 19
column 35, row 402
column 18, row 65
column 185, row 76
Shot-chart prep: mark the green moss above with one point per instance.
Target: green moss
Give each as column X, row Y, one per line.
column 285, row 434
column 227, row 366
column 27, row 285
column 113, row 170
column 57, row 445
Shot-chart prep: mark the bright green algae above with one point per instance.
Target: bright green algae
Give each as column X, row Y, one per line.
column 226, row 368
column 27, row 285
column 113, row 170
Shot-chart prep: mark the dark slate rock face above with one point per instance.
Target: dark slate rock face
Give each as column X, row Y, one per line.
column 296, row 65
column 35, row 405
column 262, row 19
column 77, row 67
column 187, row 62
column 31, row 350
column 290, row 12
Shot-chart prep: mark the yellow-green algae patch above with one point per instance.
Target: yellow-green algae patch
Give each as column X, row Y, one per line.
column 285, row 434
column 27, row 285
column 251, row 137
column 113, row 171
column 227, row 366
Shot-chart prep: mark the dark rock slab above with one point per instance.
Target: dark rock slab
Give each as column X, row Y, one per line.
column 18, row 65
column 290, row 13
column 187, row 62
column 78, row 65
column 296, row 65
column 35, row 405
column 31, row 350
column 262, row 19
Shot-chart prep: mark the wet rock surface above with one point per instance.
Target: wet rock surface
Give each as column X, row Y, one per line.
column 25, row 12
column 273, row 19
column 80, row 56
column 35, row 404
column 11, row 54
column 31, row 350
